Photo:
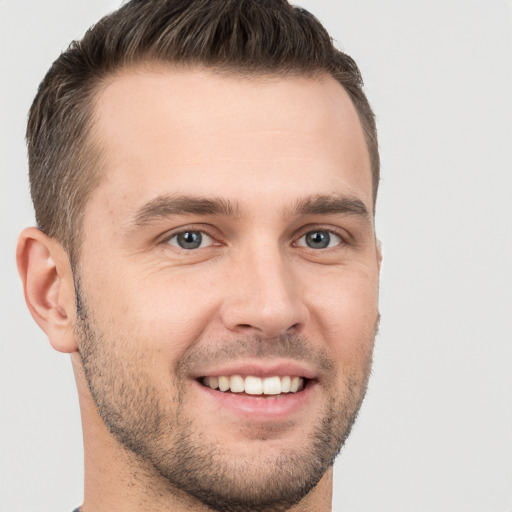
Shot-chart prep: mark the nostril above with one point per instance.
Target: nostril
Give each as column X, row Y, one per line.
column 268, row 331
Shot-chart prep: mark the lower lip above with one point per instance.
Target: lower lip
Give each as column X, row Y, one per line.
column 266, row 409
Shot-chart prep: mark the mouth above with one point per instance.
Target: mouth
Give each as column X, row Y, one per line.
column 253, row 386
column 263, row 391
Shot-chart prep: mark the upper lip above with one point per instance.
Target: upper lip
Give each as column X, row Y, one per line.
column 259, row 368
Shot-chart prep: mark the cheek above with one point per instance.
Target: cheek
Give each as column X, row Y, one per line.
column 345, row 312
column 164, row 312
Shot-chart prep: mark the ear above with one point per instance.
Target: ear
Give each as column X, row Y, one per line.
column 47, row 279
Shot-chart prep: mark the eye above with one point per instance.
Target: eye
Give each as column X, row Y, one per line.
column 190, row 240
column 319, row 239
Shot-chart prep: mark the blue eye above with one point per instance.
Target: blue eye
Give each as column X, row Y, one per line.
column 319, row 239
column 190, row 240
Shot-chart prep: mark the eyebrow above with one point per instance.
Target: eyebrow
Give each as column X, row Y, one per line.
column 332, row 204
column 166, row 205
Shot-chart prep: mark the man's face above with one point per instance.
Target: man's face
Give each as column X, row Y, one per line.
column 230, row 242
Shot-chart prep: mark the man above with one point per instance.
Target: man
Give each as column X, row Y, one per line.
column 204, row 175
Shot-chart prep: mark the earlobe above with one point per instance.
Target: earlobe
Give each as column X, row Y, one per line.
column 47, row 279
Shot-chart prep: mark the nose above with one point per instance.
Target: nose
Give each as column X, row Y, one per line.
column 264, row 297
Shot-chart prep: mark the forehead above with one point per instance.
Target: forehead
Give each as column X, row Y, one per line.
column 169, row 131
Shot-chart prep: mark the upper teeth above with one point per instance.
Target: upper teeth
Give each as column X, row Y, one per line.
column 255, row 385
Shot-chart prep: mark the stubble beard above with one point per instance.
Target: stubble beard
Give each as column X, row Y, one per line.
column 166, row 440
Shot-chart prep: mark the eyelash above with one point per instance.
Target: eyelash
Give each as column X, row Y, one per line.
column 344, row 238
column 204, row 233
column 339, row 238
column 330, row 235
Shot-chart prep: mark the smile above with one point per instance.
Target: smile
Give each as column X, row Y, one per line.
column 251, row 385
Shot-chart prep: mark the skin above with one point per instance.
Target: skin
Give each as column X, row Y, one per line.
column 162, row 316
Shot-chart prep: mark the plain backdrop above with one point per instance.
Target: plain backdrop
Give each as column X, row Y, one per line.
column 435, row 432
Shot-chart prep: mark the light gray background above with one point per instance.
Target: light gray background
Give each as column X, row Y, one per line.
column 435, row 433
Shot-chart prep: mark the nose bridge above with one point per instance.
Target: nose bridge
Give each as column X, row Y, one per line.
column 264, row 297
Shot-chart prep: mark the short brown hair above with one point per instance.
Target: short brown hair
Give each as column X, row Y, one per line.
column 268, row 37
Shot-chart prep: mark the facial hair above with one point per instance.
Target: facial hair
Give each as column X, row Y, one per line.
column 159, row 430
